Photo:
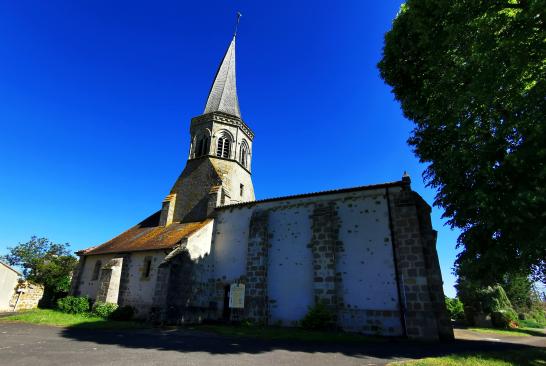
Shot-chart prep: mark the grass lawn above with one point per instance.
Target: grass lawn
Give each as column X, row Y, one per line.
column 281, row 333
column 517, row 332
column 58, row 319
column 527, row 357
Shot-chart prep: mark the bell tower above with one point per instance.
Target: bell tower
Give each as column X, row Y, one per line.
column 218, row 170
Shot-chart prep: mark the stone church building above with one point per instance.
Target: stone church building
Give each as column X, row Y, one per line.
column 213, row 252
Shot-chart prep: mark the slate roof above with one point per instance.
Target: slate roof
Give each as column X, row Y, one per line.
column 147, row 235
column 223, row 93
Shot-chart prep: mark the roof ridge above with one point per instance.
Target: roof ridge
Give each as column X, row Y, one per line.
column 319, row 193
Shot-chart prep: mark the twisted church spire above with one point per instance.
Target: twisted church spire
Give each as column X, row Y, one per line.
column 223, row 93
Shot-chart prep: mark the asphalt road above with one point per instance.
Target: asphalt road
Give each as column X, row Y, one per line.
column 25, row 344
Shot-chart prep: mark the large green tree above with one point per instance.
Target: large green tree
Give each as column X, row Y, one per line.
column 471, row 75
column 44, row 262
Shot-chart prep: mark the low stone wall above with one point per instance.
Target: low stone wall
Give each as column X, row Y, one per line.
column 26, row 296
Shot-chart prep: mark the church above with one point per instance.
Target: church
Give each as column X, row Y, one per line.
column 215, row 253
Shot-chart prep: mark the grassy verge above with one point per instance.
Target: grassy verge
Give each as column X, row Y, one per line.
column 517, row 332
column 289, row 334
column 532, row 324
column 58, row 319
column 527, row 357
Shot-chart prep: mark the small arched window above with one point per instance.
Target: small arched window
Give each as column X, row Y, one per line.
column 243, row 154
column 224, row 147
column 202, row 147
column 96, row 271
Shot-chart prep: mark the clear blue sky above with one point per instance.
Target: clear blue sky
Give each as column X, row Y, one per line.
column 96, row 99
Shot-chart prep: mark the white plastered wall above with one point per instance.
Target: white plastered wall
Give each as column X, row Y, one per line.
column 229, row 248
column 198, row 244
column 87, row 286
column 290, row 264
column 366, row 264
column 140, row 290
column 8, row 281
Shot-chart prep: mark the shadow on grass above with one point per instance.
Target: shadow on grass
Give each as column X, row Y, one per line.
column 188, row 340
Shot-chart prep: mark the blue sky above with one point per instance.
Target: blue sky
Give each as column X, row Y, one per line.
column 97, row 97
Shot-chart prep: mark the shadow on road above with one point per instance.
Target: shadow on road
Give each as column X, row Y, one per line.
column 185, row 340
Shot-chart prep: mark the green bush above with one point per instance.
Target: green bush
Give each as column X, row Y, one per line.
column 455, row 308
column 123, row 313
column 104, row 309
column 319, row 317
column 494, row 299
column 538, row 315
column 527, row 323
column 73, row 305
column 504, row 318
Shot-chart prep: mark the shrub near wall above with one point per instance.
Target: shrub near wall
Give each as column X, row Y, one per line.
column 104, row 309
column 318, row 318
column 73, row 305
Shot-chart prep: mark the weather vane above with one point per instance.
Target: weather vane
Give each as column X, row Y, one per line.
column 239, row 15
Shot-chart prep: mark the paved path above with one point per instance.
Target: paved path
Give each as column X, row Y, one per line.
column 25, row 344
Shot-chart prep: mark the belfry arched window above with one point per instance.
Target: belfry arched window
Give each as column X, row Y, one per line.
column 243, row 154
column 202, row 147
column 224, row 147
column 201, row 143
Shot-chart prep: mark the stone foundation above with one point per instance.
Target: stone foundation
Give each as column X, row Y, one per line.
column 373, row 322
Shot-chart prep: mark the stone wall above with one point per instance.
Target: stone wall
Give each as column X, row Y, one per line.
column 181, row 290
column 333, row 248
column 83, row 282
column 133, row 288
column 110, row 281
column 419, row 277
column 324, row 245
column 378, row 322
column 76, row 277
column 198, row 187
column 369, row 255
column 27, row 296
column 256, row 268
column 124, row 295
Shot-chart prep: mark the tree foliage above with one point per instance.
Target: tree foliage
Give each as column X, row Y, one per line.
column 455, row 308
column 471, row 75
column 44, row 262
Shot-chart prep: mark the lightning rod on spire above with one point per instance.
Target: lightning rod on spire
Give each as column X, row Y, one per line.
column 239, row 15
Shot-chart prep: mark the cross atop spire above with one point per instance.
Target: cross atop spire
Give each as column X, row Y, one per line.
column 223, row 93
column 239, row 15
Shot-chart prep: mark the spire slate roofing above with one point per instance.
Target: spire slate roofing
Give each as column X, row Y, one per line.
column 223, row 93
